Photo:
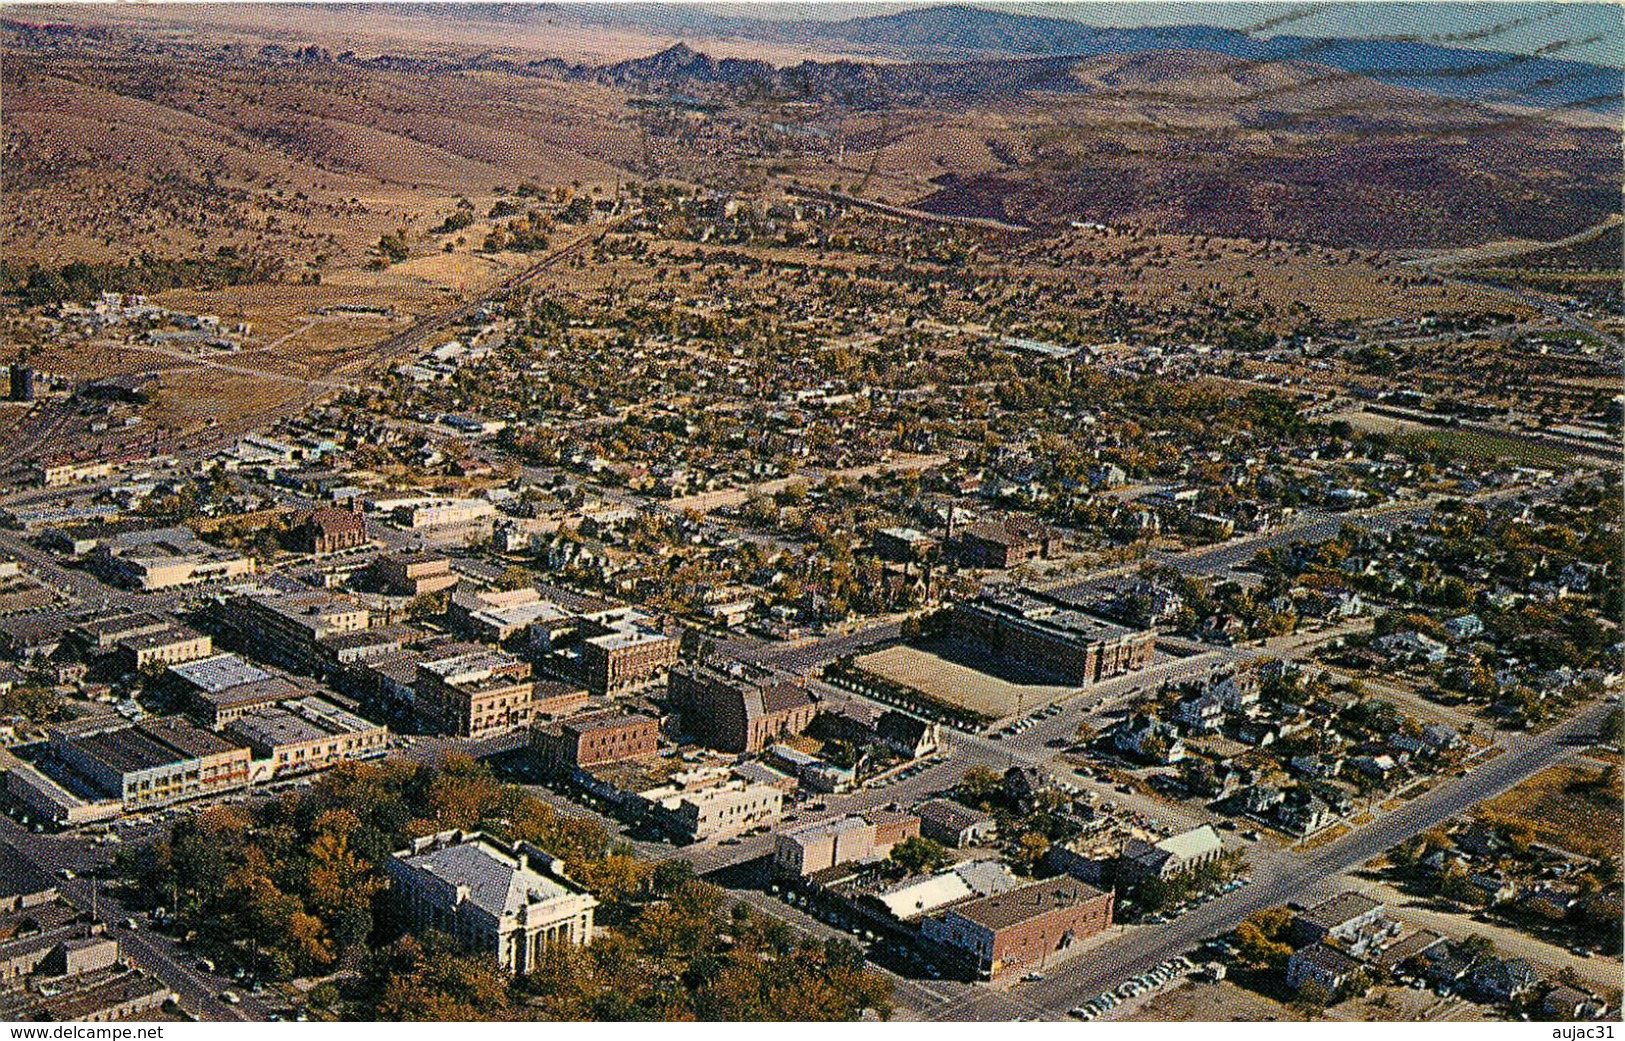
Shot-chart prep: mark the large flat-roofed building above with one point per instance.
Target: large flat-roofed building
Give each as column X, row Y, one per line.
column 596, row 739
column 442, row 513
column 287, row 628
column 738, row 707
column 171, row 645
column 508, row 901
column 1029, row 627
column 22, row 885
column 903, row 544
column 163, row 558
column 1021, row 927
column 152, row 763
column 47, row 798
column 104, row 632
column 415, row 574
column 373, row 642
column 222, row 687
column 58, row 473
column 308, row 733
column 818, row 847
column 475, row 695
column 498, row 615
column 623, row 650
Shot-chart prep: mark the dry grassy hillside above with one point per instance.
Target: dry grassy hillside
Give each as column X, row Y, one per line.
column 104, row 156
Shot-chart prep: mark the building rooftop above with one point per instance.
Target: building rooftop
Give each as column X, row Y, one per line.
column 150, row 744
column 1002, row 910
column 255, row 692
column 294, row 722
column 1326, row 958
column 271, row 726
column 112, row 627
column 950, row 814
column 19, row 876
column 499, row 880
column 1196, row 842
column 219, row 672
column 1329, row 914
column 171, row 633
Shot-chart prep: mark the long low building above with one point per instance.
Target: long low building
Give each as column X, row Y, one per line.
column 306, row 734
column 163, row 558
column 717, row 811
column 46, row 799
column 152, row 763
column 170, row 645
column 1049, row 634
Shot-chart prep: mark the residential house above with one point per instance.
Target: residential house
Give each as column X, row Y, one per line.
column 1322, row 966
column 1505, row 979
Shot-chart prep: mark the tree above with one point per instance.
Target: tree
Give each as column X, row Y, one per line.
column 392, row 246
column 514, row 577
column 1257, row 938
column 1613, row 727
column 980, row 786
column 918, row 855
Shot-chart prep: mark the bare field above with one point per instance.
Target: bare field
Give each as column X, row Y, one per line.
column 956, row 684
column 1567, row 806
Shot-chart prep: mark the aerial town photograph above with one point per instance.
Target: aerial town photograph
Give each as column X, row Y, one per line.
column 1074, row 513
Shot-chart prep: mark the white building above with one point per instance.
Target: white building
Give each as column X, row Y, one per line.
column 511, row 902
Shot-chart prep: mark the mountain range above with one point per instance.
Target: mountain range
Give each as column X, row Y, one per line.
column 957, row 32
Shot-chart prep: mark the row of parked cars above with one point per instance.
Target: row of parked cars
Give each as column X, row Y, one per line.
column 1026, row 722
column 1174, row 968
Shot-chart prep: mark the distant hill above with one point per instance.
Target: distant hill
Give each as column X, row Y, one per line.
column 1193, row 139
column 950, row 32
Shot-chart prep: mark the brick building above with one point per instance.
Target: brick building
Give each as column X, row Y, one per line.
column 329, row 530
column 1005, row 543
column 623, row 650
column 475, row 695
column 1049, row 634
column 738, row 707
column 1022, row 927
column 818, row 847
column 414, row 574
column 596, row 739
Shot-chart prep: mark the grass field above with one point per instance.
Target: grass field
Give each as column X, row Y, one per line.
column 958, row 685
column 1476, row 444
column 1566, row 807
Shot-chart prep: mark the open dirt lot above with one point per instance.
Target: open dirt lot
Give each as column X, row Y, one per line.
column 957, row 684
